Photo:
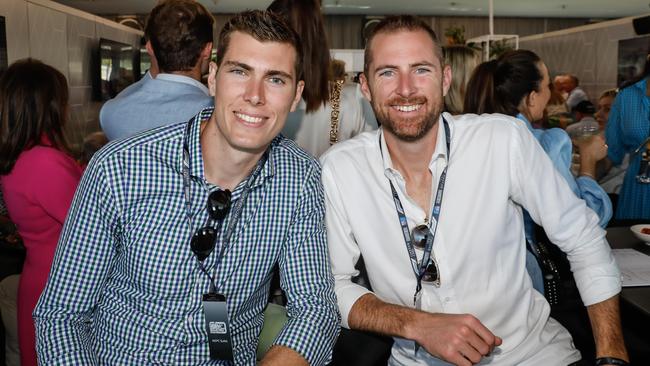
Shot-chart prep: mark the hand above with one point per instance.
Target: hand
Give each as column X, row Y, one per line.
column 593, row 148
column 457, row 338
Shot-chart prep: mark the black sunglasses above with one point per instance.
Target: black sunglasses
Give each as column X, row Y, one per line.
column 202, row 243
column 419, row 235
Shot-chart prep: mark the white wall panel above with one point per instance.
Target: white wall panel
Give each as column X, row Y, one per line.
column 48, row 36
column 15, row 13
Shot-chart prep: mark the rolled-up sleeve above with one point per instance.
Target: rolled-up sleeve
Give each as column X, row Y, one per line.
column 63, row 315
column 306, row 278
column 567, row 220
column 344, row 251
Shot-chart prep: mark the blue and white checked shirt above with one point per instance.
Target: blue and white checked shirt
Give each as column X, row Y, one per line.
column 125, row 288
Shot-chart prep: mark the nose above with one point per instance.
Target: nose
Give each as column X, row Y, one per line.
column 405, row 87
column 255, row 92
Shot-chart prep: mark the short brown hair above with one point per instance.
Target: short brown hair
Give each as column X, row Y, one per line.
column 178, row 31
column 264, row 26
column 394, row 24
column 33, row 106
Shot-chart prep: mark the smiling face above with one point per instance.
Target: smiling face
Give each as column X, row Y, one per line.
column 405, row 83
column 255, row 89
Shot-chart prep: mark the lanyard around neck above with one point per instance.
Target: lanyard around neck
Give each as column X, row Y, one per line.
column 419, row 269
column 237, row 209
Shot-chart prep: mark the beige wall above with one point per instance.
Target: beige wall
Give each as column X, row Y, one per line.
column 65, row 38
column 589, row 52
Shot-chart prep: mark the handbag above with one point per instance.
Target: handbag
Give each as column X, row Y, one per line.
column 335, row 103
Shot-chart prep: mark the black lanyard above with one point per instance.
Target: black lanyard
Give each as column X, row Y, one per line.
column 420, row 269
column 237, row 209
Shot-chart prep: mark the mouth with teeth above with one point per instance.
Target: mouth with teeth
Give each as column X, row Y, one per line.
column 248, row 118
column 407, row 108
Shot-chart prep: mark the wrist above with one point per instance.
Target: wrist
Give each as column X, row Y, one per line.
column 586, row 174
column 602, row 361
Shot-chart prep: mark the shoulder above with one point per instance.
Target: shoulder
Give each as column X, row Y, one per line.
column 44, row 161
column 355, row 149
column 163, row 139
column 289, row 158
column 494, row 123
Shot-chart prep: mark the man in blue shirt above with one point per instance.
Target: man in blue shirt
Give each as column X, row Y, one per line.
column 142, row 254
column 179, row 40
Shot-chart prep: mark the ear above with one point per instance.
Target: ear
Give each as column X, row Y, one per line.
column 212, row 76
column 296, row 99
column 207, row 51
column 150, row 49
column 446, row 79
column 365, row 88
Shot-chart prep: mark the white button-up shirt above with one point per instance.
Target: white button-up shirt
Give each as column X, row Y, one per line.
column 496, row 167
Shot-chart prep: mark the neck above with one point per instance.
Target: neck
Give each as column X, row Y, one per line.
column 411, row 158
column 224, row 166
column 194, row 73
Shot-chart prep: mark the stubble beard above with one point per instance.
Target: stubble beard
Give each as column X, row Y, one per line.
column 408, row 129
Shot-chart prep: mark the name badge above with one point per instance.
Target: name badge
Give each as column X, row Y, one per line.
column 215, row 311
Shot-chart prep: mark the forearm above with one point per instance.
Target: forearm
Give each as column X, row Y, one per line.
column 606, row 324
column 280, row 355
column 371, row 314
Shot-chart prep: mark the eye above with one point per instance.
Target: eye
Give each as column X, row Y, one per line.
column 386, row 73
column 422, row 70
column 238, row 71
column 277, row 80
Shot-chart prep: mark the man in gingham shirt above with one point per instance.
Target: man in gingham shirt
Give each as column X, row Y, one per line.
column 126, row 289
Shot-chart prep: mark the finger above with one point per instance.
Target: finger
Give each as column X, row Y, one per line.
column 486, row 335
column 470, row 353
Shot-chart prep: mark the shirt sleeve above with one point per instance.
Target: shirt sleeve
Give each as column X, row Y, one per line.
column 614, row 132
column 558, row 147
column 343, row 249
column 567, row 220
column 63, row 175
column 63, row 315
column 306, row 278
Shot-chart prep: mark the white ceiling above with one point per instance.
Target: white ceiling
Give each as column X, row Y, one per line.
column 504, row 8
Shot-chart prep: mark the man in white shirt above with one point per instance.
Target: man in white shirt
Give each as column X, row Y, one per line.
column 475, row 302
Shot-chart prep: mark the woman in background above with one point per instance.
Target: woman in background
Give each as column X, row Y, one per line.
column 310, row 124
column 462, row 60
column 628, row 132
column 38, row 174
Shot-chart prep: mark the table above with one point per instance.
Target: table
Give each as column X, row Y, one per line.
column 622, row 237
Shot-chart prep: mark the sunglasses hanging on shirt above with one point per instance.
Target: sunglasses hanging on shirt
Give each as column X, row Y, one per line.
column 204, row 239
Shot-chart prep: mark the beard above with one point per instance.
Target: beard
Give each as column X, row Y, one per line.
column 410, row 128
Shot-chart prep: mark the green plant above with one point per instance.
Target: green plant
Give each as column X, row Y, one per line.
column 498, row 48
column 455, row 35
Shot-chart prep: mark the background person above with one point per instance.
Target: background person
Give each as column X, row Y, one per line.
column 627, row 133
column 38, row 174
column 462, row 60
column 179, row 37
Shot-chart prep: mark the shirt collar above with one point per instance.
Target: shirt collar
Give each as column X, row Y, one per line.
column 183, row 79
column 523, row 118
column 440, row 151
column 196, row 155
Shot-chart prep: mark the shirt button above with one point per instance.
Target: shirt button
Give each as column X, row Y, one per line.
column 447, row 299
column 190, row 319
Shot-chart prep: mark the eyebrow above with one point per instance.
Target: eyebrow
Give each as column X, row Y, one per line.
column 417, row 64
column 247, row 67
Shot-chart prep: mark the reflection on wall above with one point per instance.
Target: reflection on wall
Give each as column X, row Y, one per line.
column 632, row 55
column 3, row 45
